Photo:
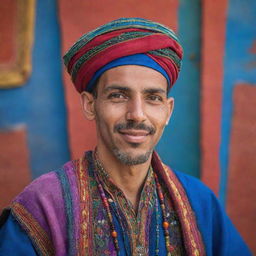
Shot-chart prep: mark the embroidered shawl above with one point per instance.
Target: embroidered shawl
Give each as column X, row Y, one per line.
column 56, row 210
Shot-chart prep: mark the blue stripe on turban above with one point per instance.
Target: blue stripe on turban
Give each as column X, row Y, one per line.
column 136, row 59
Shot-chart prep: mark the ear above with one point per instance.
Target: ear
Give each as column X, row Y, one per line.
column 88, row 101
column 171, row 107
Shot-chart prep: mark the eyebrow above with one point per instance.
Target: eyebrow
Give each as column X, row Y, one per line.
column 154, row 90
column 127, row 89
column 116, row 87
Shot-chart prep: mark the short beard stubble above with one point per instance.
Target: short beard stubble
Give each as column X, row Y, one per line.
column 126, row 159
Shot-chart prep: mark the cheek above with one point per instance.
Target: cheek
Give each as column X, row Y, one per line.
column 159, row 116
column 108, row 115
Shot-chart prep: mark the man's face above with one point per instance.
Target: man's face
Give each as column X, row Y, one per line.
column 131, row 110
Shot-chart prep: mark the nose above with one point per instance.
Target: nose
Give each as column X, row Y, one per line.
column 135, row 110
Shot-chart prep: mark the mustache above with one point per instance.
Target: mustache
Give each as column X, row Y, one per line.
column 133, row 125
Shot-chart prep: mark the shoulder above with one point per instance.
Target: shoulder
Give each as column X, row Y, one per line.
column 203, row 201
column 44, row 185
column 188, row 180
column 194, row 187
column 219, row 234
column 47, row 187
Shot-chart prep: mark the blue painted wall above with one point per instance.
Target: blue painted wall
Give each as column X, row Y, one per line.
column 239, row 66
column 39, row 104
column 180, row 145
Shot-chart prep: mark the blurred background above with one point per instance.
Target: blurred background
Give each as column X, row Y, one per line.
column 212, row 134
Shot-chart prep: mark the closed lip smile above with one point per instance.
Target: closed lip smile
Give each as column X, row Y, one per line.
column 134, row 136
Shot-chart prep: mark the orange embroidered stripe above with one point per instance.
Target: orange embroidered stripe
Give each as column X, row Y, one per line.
column 194, row 237
column 35, row 231
column 83, row 243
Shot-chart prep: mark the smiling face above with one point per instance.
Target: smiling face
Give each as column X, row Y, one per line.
column 131, row 110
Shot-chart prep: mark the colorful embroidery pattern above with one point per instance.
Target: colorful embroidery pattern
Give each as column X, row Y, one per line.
column 135, row 224
column 36, row 233
column 68, row 209
column 137, row 232
column 192, row 237
column 84, row 243
column 135, row 227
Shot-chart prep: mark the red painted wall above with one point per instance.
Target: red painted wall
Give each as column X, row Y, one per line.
column 213, row 43
column 14, row 164
column 241, row 183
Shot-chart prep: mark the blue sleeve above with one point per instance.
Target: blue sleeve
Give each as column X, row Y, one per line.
column 219, row 234
column 13, row 239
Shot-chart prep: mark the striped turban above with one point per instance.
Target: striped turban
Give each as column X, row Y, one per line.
column 133, row 41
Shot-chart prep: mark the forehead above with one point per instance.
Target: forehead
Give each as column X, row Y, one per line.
column 134, row 77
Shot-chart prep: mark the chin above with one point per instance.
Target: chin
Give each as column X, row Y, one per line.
column 132, row 158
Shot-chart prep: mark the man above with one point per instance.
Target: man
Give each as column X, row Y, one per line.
column 120, row 199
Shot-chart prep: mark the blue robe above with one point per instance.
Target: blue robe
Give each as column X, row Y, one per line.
column 219, row 235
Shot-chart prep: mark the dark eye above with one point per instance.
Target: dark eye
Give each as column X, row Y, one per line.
column 155, row 98
column 116, row 96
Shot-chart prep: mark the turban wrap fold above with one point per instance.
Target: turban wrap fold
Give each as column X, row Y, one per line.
column 121, row 38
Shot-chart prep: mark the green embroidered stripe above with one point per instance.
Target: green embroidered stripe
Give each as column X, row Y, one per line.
column 62, row 176
column 167, row 53
column 115, row 40
column 119, row 24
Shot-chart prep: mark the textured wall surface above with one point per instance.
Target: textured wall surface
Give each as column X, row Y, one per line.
column 213, row 47
column 242, row 164
column 212, row 132
column 39, row 108
column 14, row 158
column 238, row 130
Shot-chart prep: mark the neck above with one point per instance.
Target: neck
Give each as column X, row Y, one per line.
column 130, row 179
